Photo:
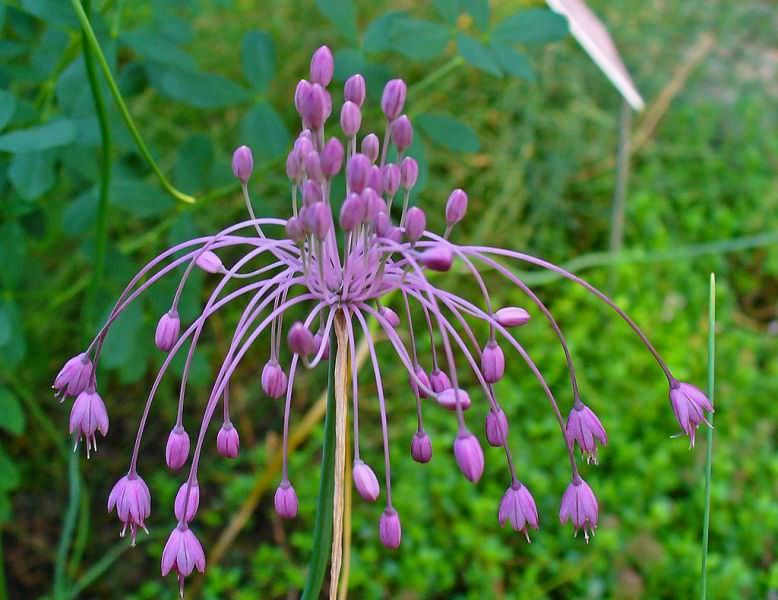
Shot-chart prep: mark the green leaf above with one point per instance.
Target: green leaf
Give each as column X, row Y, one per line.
column 58, row 132
column 478, row 55
column 513, row 62
column 5, row 327
column 7, row 107
column 259, row 59
column 32, row 173
column 377, row 38
column 9, row 473
column 79, row 216
column 532, row 26
column 264, row 131
column 14, row 350
column 203, row 90
column 155, row 47
column 53, row 11
column 138, row 198
column 418, row 39
column 11, row 413
column 479, row 10
column 122, row 335
column 193, row 165
column 448, row 9
column 348, row 62
column 12, row 258
column 343, row 14
column 446, row 130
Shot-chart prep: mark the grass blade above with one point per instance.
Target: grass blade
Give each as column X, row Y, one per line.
column 709, row 434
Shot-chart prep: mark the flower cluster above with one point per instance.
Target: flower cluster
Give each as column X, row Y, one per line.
column 348, row 264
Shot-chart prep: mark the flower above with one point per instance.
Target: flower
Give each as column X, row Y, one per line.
column 132, row 499
column 579, row 505
column 177, row 448
column 273, row 379
column 365, row 481
column 496, row 427
column 242, row 163
column 87, row 417
column 518, row 507
column 73, row 377
column 389, row 530
column 188, row 495
column 469, row 455
column 584, row 428
column 285, row 501
column 168, row 329
column 182, row 554
column 689, row 404
column 421, row 447
column 228, row 441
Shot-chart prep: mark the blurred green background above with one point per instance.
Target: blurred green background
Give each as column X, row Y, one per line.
column 529, row 127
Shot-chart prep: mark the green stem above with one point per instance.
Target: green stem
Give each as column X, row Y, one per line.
column 322, row 529
column 71, row 514
column 709, row 434
column 436, row 75
column 3, row 591
column 91, row 38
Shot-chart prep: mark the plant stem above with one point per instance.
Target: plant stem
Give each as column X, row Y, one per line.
column 74, row 484
column 91, row 38
column 622, row 176
column 341, row 414
column 709, row 434
column 436, row 74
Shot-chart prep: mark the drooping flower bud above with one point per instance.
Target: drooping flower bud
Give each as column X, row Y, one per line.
column 409, row 172
column 209, row 262
column 518, row 507
column 375, row 179
column 456, row 207
column 177, row 448
column 579, row 505
column 371, row 146
column 331, row 158
column 584, row 428
column 320, row 220
column 357, row 172
column 322, row 66
column 352, row 213
column 285, row 501
column 168, row 328
column 313, row 106
column 182, row 553
column 421, row 447
column 228, row 441
column 302, row 88
column 295, row 230
column 415, row 223
column 132, row 500
column 365, row 481
column 389, row 315
column 313, row 167
column 389, row 529
column 319, row 340
column 354, row 89
column 242, row 163
column 496, row 427
column 74, row 377
column 402, row 132
column 437, row 258
column 300, row 340
column 511, row 316
column 469, row 455
column 393, row 98
column 689, row 404
column 391, row 178
column 492, row 362
column 88, row 416
column 350, row 119
column 439, row 381
column 273, row 379
column 421, row 375
column 192, row 501
column 448, row 398
column 311, row 193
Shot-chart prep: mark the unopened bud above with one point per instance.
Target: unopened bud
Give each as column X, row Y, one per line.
column 354, row 89
column 350, row 119
column 393, row 98
column 371, row 146
column 391, row 178
column 409, row 172
column 300, row 340
column 469, row 455
column 352, row 213
column 402, row 132
column 512, row 316
column 209, row 262
column 168, row 328
column 437, row 258
column 322, row 66
column 456, row 207
column 242, row 163
column 366, row 481
column 357, row 172
column 331, row 158
column 415, row 223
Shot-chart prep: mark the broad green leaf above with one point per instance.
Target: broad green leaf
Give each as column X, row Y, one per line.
column 53, row 11
column 513, row 62
column 203, row 90
column 446, row 130
column 59, row 132
column 7, row 107
column 478, row 55
column 155, row 47
column 13, row 255
column 9, row 473
column 139, row 198
column 531, row 26
column 259, row 59
column 419, row 39
column 11, row 413
column 343, row 14
column 377, row 38
column 348, row 62
column 448, row 9
column 122, row 335
column 479, row 10
column 193, row 165
column 79, row 216
column 32, row 173
column 264, row 131
column 15, row 349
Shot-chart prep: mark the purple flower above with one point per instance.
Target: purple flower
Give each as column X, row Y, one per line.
column 389, row 530
column 437, row 258
column 448, row 399
column 354, row 90
column 579, row 505
column 421, row 447
column 182, row 554
column 496, row 427
column 391, row 317
column 285, row 501
column 168, row 329
column 421, row 375
column 350, row 119
column 322, row 66
column 132, row 500
column 365, row 481
column 402, row 132
column 456, row 207
column 512, row 316
column 689, row 405
column 393, row 98
column 87, row 417
column 74, row 377
column 242, row 163
column 273, row 379
column 439, row 381
column 177, row 449
column 415, row 224
column 492, row 362
column 469, row 455
column 300, row 340
column 584, row 428
column 518, row 507
column 189, row 496
column 370, row 147
column 228, row 441
column 209, row 262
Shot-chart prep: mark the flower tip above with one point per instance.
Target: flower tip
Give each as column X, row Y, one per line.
column 273, row 379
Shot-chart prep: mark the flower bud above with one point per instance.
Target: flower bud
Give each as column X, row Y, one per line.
column 365, row 481
column 383, row 225
column 689, row 403
column 456, row 207
column 350, row 119
column 409, row 172
column 352, row 213
column 421, row 375
column 511, row 316
column 469, row 455
column 496, row 427
column 437, row 258
column 402, row 132
column 228, row 441
column 74, row 376
column 375, row 179
column 313, row 106
column 371, row 146
column 313, row 167
column 579, row 505
column 285, row 501
column 322, row 66
column 168, row 328
column 242, row 163
column 302, row 87
column 421, row 447
column 300, row 340
column 319, row 340
column 357, row 172
column 448, row 398
column 311, row 193
column 294, row 167
column 304, row 144
column 492, row 362
column 415, row 223
column 374, row 204
column 389, row 530
column 320, row 220
column 295, row 230
column 393, row 98
column 439, row 381
column 391, row 178
column 389, row 316
column 192, row 501
column 273, row 379
column 354, row 89
column 331, row 158
column 209, row 262
column 177, row 448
